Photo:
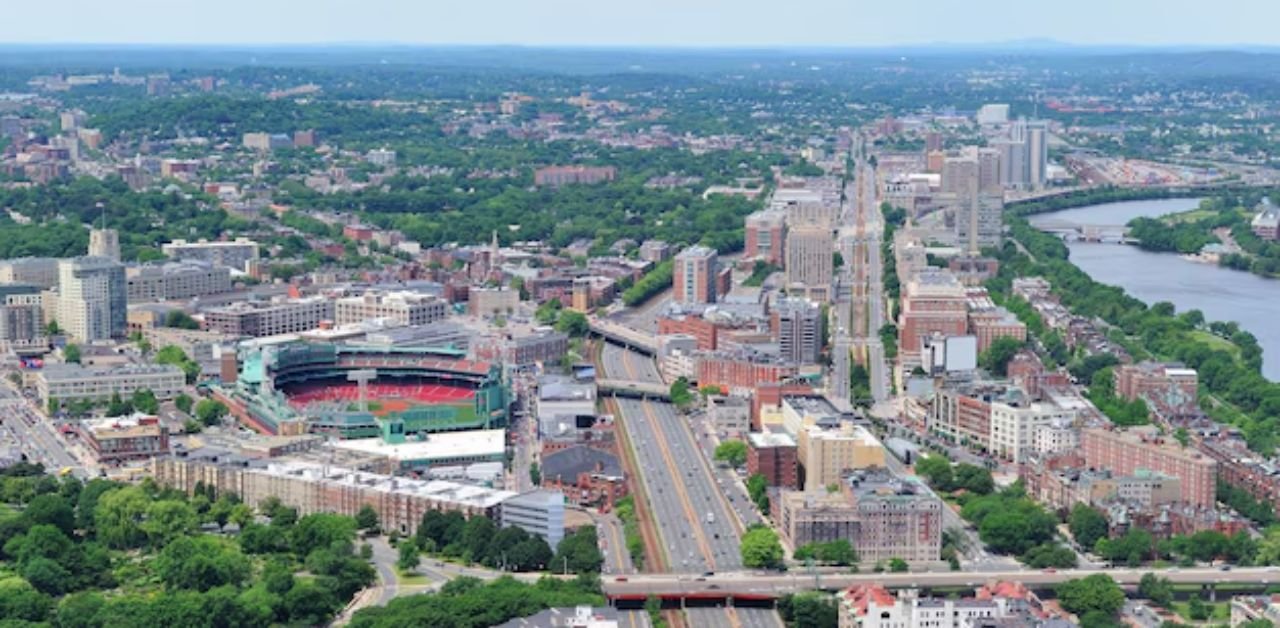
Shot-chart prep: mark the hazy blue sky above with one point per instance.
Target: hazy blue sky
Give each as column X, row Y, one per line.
column 642, row 22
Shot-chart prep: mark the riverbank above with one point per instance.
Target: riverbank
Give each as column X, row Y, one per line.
column 1229, row 364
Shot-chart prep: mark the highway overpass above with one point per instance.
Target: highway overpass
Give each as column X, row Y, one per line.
column 624, row 336
column 753, row 588
column 633, row 389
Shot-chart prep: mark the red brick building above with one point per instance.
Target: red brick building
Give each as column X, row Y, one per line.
column 739, row 372
column 704, row 331
column 771, row 394
column 932, row 302
column 1127, row 452
column 773, row 456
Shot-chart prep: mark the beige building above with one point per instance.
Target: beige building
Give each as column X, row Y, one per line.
column 37, row 271
column 314, row 488
column 406, row 308
column 810, row 251
column 232, row 253
column 827, row 455
column 92, row 301
column 72, row 382
column 491, row 302
column 175, row 280
column 1014, row 426
column 269, row 319
column 104, row 243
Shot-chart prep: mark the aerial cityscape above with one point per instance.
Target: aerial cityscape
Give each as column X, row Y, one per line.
column 450, row 332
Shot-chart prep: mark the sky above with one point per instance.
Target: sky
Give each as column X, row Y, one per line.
column 673, row 23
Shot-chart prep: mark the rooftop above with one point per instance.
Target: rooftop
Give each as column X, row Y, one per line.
column 442, row 445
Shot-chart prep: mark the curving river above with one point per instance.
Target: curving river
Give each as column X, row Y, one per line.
column 1222, row 294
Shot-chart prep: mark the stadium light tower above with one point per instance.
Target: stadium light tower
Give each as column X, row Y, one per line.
column 361, row 378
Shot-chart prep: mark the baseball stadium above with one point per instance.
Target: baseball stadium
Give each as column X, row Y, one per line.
column 360, row 391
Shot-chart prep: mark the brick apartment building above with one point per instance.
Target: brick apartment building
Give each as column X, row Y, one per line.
column 1138, row 449
column 773, row 455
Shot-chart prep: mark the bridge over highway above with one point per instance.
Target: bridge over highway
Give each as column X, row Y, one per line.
column 755, row 587
column 633, row 389
column 624, row 336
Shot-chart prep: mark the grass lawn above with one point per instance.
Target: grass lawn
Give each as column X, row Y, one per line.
column 1221, row 611
column 1216, row 342
column 412, row 578
column 1189, row 216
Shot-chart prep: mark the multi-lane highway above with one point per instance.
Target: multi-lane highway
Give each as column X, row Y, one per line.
column 698, row 529
column 869, row 223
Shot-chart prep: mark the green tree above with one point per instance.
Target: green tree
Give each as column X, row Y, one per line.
column 760, row 548
column 201, row 563
column 758, row 490
column 1096, row 593
column 71, row 353
column 997, row 356
column 321, row 530
column 897, row 565
column 732, row 451
column 117, row 517
column 680, row 394
column 580, row 551
column 535, row 474
column 573, row 323
column 180, row 320
column 167, row 520
column 809, row 609
column 1087, row 525
column 183, row 402
column 937, row 471
column 210, row 411
column 367, row 518
column 1158, row 590
column 144, row 401
column 973, row 478
column 21, row 601
column 410, row 557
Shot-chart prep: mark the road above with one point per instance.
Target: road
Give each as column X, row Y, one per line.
column 35, row 434
column 613, row 541
column 869, row 224
column 781, row 583
column 696, row 524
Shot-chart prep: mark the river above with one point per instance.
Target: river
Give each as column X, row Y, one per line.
column 1222, row 294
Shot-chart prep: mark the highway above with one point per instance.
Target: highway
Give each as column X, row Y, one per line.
column 696, row 525
column 870, row 227
column 763, row 583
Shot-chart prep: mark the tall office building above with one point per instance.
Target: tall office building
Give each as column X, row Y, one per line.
column 1024, row 155
column 810, row 264
column 92, row 298
column 694, row 275
column 104, row 243
column 798, row 325
column 1037, row 152
column 979, row 222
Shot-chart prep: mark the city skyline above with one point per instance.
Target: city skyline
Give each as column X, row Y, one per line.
column 661, row 23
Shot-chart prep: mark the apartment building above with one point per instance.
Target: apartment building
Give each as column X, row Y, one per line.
column 1128, row 452
column 41, row 272
column 92, row 301
column 694, row 275
column 810, row 251
column 884, row 516
column 773, row 455
column 258, row 319
column 828, row 454
column 175, row 280
column 1168, row 386
column 573, row 175
column 933, row 302
column 315, row 488
column 21, row 318
column 404, row 307
column 739, row 370
column 798, row 326
column 1015, row 425
column 72, row 382
column 765, row 237
column 492, row 302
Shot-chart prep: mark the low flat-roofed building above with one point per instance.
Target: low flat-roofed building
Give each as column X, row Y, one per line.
column 175, row 280
column 440, row 448
column 404, row 307
column 313, row 488
column 72, row 382
column 118, row 439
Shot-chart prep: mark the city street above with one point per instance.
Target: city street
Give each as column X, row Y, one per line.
column 35, row 434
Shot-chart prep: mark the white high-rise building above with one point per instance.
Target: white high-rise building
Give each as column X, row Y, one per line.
column 993, row 114
column 92, row 298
